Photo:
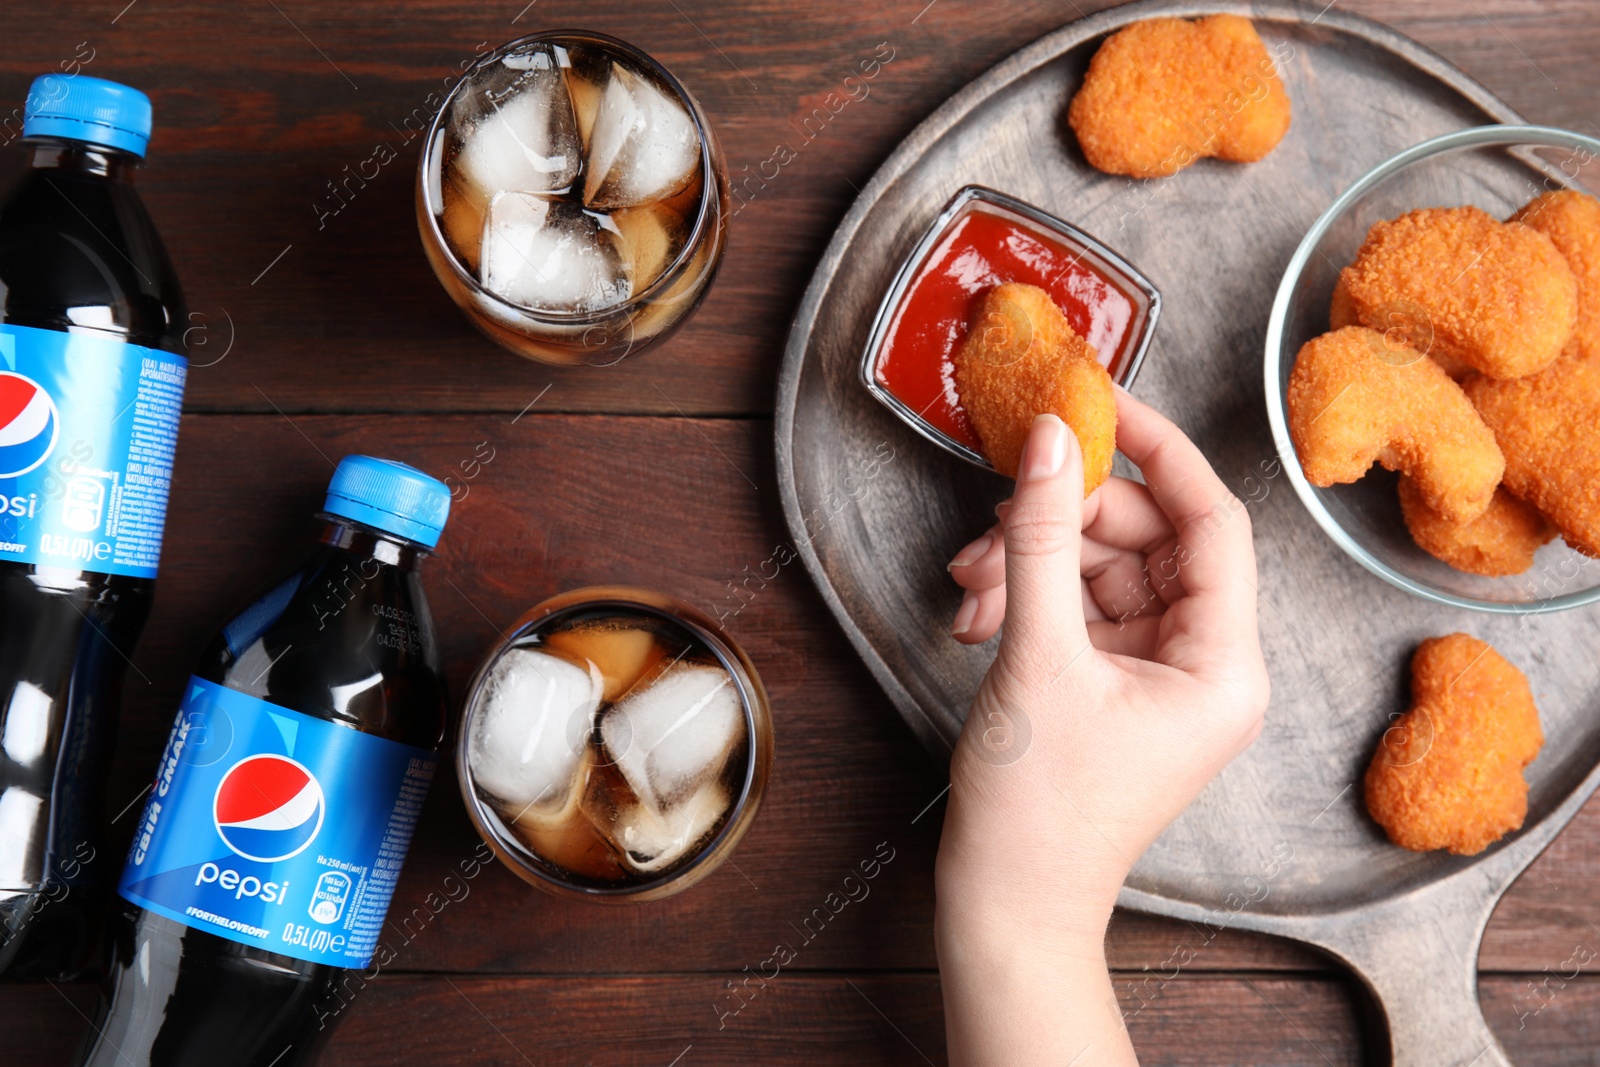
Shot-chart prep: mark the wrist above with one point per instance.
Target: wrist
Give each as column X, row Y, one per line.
column 1063, row 927
column 1004, row 969
column 1003, row 895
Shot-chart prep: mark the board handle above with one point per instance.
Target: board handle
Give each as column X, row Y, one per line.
column 1418, row 956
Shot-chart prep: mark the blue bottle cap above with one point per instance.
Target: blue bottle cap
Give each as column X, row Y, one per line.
column 391, row 496
column 81, row 108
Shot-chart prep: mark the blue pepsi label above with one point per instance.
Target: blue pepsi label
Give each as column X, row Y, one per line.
column 275, row 829
column 88, row 427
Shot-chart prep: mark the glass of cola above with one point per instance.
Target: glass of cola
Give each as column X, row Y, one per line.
column 572, row 198
column 614, row 746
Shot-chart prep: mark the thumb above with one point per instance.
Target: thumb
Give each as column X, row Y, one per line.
column 1044, row 623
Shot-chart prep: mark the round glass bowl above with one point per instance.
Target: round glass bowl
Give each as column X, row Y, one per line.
column 1496, row 168
column 690, row 638
column 646, row 316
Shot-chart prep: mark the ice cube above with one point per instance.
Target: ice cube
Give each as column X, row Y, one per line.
column 673, row 736
column 551, row 255
column 521, row 134
column 643, row 147
column 531, row 731
column 623, row 654
column 548, row 815
column 652, row 841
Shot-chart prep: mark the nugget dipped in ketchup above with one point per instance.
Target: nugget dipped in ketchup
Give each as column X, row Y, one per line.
column 1021, row 359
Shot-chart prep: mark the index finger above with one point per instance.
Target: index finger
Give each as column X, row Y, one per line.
column 1216, row 560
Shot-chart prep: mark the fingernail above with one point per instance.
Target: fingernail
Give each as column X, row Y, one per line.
column 973, row 552
column 1002, row 509
column 1046, row 450
column 964, row 614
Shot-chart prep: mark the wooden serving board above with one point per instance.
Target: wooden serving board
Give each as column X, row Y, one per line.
column 1280, row 842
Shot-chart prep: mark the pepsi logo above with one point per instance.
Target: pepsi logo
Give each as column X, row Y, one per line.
column 268, row 808
column 28, row 424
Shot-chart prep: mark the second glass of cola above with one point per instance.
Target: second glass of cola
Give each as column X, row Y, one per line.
column 572, row 198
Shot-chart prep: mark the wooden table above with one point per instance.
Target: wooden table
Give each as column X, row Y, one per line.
column 325, row 333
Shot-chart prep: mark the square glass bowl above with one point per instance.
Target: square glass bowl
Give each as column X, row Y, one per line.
column 1496, row 168
column 1107, row 298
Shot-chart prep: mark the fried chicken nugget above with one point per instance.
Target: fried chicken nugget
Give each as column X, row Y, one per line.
column 1497, row 297
column 1548, row 426
column 1162, row 93
column 1448, row 773
column 1021, row 359
column 1355, row 399
column 1501, row 541
column 1399, row 322
column 1572, row 222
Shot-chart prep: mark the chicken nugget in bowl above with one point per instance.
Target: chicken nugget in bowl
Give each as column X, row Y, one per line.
column 1501, row 541
column 1572, row 222
column 1356, row 398
column 1549, row 428
column 1469, row 290
column 1022, row 359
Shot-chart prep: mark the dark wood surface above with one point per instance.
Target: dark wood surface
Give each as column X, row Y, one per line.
column 660, row 473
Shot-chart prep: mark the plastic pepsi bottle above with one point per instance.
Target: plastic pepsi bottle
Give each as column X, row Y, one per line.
column 91, row 385
column 261, row 870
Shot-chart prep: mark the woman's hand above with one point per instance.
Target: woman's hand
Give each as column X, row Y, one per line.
column 1128, row 674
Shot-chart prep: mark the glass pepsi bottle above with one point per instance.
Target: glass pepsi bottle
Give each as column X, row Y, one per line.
column 91, row 385
column 261, row 869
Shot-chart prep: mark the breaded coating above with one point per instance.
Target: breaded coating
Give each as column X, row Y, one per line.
column 1162, row 93
column 1497, row 297
column 1448, row 773
column 1356, row 398
column 1501, row 541
column 1022, row 359
column 1399, row 323
column 1572, row 222
column 1549, row 429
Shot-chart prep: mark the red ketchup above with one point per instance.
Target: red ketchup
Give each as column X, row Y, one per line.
column 981, row 250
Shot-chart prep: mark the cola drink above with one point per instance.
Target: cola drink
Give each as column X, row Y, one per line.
column 263, row 863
